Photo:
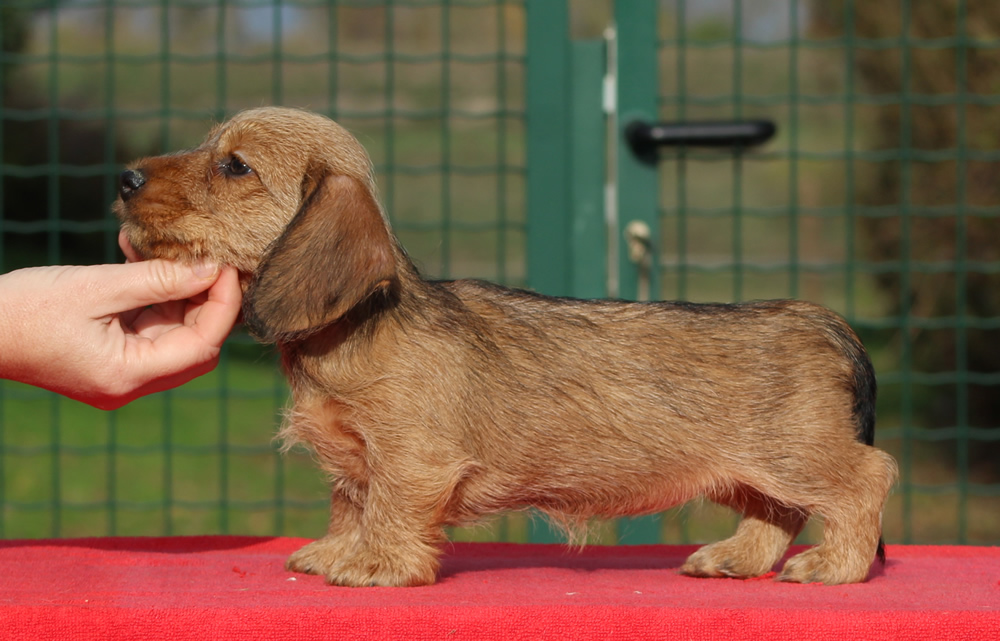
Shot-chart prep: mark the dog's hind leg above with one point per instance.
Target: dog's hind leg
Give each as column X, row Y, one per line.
column 761, row 539
column 852, row 515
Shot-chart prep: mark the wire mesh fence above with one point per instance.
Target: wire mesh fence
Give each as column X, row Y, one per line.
column 434, row 91
column 878, row 198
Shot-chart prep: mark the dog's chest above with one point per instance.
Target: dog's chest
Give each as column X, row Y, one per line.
column 325, row 427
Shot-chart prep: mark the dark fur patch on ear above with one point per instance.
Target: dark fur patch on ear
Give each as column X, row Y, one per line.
column 314, row 174
column 335, row 254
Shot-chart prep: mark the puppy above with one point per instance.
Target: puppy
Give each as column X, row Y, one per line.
column 433, row 403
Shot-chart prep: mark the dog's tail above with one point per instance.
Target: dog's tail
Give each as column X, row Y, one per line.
column 865, row 391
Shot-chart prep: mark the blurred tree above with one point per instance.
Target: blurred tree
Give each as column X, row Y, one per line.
column 951, row 198
column 32, row 139
column 13, row 29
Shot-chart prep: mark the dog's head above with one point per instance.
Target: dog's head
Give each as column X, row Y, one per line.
column 285, row 196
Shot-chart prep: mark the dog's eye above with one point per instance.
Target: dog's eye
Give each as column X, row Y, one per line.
column 236, row 167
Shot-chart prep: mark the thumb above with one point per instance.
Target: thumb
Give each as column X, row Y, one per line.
column 157, row 281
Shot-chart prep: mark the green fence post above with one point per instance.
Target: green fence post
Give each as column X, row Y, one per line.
column 588, row 140
column 548, row 106
column 638, row 194
column 637, row 186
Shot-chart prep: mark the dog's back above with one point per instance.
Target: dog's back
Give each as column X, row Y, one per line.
column 668, row 399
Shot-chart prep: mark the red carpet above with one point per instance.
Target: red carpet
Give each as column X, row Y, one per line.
column 236, row 588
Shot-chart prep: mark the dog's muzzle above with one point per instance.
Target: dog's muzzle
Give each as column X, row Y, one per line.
column 129, row 182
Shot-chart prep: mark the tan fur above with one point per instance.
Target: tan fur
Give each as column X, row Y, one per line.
column 435, row 403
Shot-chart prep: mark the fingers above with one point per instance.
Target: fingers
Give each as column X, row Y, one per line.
column 217, row 315
column 175, row 344
column 172, row 354
column 134, row 285
column 130, row 254
column 181, row 370
column 162, row 365
column 209, row 316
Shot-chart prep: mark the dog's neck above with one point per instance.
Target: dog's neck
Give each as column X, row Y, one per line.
column 346, row 343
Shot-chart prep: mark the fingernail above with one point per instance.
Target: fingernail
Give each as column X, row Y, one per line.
column 205, row 269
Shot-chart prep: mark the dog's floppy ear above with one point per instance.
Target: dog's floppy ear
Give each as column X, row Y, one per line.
column 335, row 253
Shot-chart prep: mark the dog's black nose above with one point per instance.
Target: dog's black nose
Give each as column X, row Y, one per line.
column 130, row 182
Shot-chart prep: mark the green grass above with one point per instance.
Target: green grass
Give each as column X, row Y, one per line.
column 198, row 459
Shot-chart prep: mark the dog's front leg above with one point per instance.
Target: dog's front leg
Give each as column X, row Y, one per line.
column 342, row 538
column 396, row 543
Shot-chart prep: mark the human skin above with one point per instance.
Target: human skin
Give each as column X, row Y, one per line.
column 108, row 334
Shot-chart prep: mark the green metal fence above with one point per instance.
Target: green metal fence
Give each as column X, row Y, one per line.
column 876, row 199
column 434, row 91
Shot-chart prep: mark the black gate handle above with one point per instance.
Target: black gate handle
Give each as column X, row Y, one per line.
column 645, row 138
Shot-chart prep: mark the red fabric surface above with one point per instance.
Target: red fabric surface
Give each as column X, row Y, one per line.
column 237, row 588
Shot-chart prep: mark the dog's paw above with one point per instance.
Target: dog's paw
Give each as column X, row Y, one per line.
column 357, row 566
column 815, row 565
column 362, row 571
column 318, row 557
column 723, row 559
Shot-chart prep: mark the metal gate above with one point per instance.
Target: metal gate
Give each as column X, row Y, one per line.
column 874, row 198
column 594, row 141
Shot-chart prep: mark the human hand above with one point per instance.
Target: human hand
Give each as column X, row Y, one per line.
column 108, row 334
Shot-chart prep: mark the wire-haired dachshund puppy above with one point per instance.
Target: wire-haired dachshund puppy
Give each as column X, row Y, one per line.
column 432, row 403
